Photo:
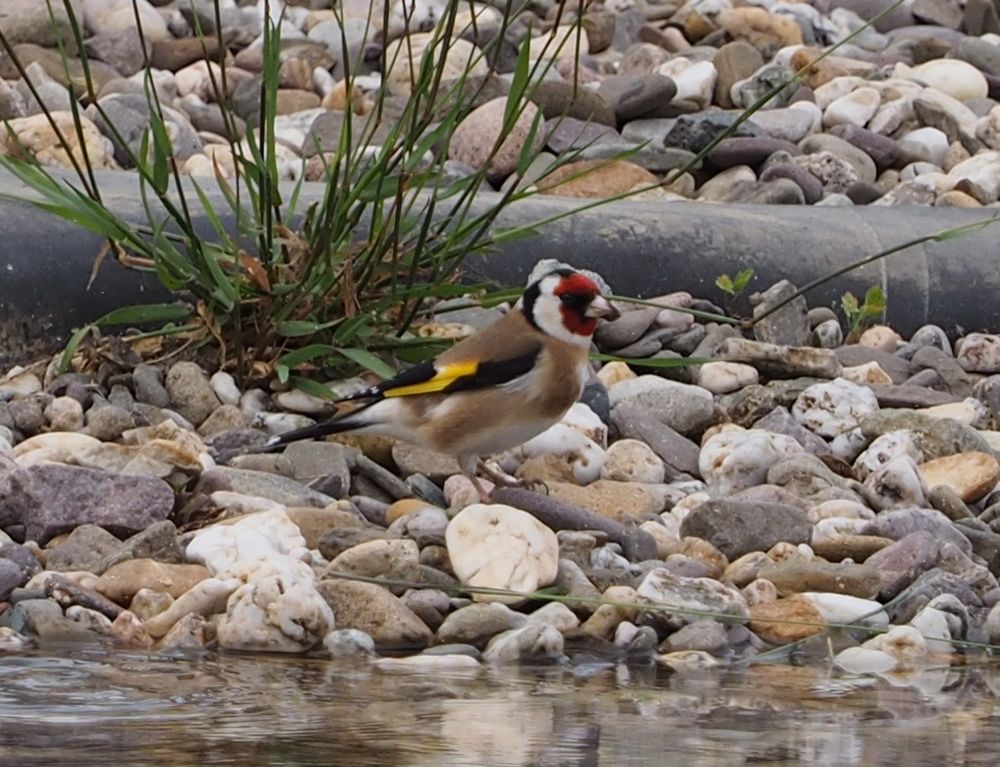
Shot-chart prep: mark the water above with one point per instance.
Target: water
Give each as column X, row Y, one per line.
column 93, row 708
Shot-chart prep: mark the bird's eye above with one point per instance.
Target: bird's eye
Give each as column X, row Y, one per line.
column 575, row 300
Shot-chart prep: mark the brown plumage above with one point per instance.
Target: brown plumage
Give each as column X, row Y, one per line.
column 493, row 390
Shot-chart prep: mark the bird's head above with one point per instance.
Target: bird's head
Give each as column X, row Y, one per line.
column 566, row 304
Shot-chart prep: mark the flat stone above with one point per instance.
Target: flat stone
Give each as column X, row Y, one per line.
column 661, row 587
column 261, row 484
column 684, row 408
column 899, row 563
column 752, row 151
column 738, row 527
column 794, row 577
column 49, row 499
column 777, row 361
column 786, row 620
column 121, row 582
column 970, row 475
column 637, row 96
column 375, row 611
column 674, row 449
column 86, row 548
column 938, row 436
column 694, row 132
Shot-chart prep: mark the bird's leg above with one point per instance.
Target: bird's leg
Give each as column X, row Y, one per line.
column 500, row 479
column 469, row 464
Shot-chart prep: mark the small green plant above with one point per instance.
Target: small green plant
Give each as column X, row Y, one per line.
column 733, row 287
column 863, row 315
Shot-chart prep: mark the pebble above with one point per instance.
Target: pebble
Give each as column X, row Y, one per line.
column 500, row 547
column 970, row 475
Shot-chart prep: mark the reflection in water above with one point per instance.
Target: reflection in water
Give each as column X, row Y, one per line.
column 251, row 711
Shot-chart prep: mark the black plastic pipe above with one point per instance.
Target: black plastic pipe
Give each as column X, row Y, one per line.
column 642, row 249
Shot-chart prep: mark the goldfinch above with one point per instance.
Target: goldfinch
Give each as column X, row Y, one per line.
column 491, row 391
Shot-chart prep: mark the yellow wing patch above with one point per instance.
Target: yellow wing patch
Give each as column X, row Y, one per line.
column 442, row 379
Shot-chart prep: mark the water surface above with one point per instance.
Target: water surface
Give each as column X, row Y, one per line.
column 95, row 708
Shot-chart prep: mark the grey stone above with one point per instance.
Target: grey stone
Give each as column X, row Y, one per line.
column 899, row 523
column 567, row 133
column 86, row 548
column 123, row 50
column 637, row 544
column 633, row 97
column 27, row 415
column 312, row 460
column 803, row 475
column 411, row 459
column 762, row 82
column 477, row 624
column 862, row 164
column 789, row 325
column 702, row 636
column 694, row 132
column 835, row 174
column 261, row 484
column 335, row 542
column 129, row 114
column 980, row 17
column 938, row 436
column 778, row 191
column 49, row 499
column 681, row 407
column 779, row 361
column 734, row 61
column 926, row 587
column 883, row 151
column 626, row 329
column 12, row 104
column 678, row 452
column 107, row 422
column 655, row 159
column 853, row 355
column 901, row 562
column 739, row 527
column 931, row 335
column 910, row 396
column 749, row 404
column 752, row 151
column 781, row 421
column 786, row 124
column 44, row 619
column 147, row 381
column 987, row 391
column 11, row 577
column 812, row 189
column 190, row 392
column 946, row 366
column 558, row 97
column 28, row 21
column 864, row 193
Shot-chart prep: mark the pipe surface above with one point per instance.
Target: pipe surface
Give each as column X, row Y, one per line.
column 642, row 248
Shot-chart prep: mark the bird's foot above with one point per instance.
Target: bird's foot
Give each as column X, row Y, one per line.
column 501, row 479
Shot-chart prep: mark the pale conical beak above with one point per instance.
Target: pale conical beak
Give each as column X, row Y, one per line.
column 601, row 307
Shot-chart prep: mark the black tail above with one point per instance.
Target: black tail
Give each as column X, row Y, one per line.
column 336, row 425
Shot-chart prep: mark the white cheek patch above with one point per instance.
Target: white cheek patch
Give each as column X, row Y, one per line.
column 548, row 317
